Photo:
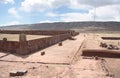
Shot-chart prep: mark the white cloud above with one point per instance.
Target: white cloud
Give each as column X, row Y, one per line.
column 103, row 13
column 7, row 1
column 11, row 23
column 98, row 3
column 74, row 4
column 14, row 12
column 90, row 4
column 70, row 17
column 47, row 21
column 59, row 3
column 108, row 13
column 42, row 5
column 106, row 10
column 35, row 5
column 51, row 14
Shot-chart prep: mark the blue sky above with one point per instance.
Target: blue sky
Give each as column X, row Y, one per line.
column 40, row 11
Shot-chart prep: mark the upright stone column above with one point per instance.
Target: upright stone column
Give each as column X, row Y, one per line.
column 23, row 49
column 22, row 37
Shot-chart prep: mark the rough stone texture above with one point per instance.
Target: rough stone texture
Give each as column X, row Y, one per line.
column 9, row 46
column 22, row 37
column 40, row 32
column 30, row 46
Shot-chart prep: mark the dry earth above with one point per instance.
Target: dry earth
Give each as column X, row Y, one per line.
column 63, row 61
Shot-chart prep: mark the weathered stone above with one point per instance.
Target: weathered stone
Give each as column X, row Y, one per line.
column 4, row 39
column 18, row 72
column 21, row 72
column 22, row 46
column 42, row 53
column 13, row 73
column 22, row 37
column 60, row 44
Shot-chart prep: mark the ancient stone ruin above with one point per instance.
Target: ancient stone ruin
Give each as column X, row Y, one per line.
column 26, row 46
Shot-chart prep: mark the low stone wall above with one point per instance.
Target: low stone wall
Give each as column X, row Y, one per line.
column 101, row 53
column 38, row 44
column 31, row 46
column 39, row 32
column 9, row 46
column 110, row 38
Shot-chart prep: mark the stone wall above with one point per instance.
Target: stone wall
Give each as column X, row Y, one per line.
column 110, row 38
column 101, row 53
column 38, row 44
column 9, row 46
column 39, row 32
column 31, row 46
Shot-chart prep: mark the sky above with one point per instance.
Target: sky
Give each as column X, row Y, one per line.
column 41, row 11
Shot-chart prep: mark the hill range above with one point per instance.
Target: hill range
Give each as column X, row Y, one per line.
column 78, row 26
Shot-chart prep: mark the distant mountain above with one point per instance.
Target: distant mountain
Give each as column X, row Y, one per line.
column 78, row 26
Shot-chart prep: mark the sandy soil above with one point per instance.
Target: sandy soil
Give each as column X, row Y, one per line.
column 54, row 55
column 88, row 68
column 56, row 63
column 93, row 42
column 34, row 70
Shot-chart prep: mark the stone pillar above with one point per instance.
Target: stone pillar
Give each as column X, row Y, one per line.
column 23, row 46
column 4, row 45
column 22, row 37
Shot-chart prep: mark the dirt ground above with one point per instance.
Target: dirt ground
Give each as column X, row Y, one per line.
column 64, row 61
column 15, row 37
column 55, row 61
column 93, row 42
